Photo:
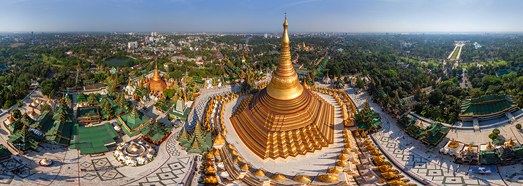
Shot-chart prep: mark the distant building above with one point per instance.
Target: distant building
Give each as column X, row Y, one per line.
column 132, row 45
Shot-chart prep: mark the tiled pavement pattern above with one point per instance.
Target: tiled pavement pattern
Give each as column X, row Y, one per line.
column 417, row 164
column 418, row 159
column 12, row 167
column 100, row 168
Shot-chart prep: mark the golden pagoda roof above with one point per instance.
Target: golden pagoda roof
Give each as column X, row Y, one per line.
column 278, row 177
column 11, row 118
column 209, row 156
column 210, row 170
column 490, row 146
column 284, row 110
column 157, row 84
column 284, row 83
column 210, row 179
column 510, row 143
column 453, row 144
column 219, row 140
column 302, row 179
column 259, row 173
column 328, row 178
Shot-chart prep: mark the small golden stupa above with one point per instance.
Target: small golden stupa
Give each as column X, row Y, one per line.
column 510, row 143
column 302, row 179
column 259, row 173
column 278, row 177
column 285, row 119
column 157, row 84
column 490, row 146
column 453, row 144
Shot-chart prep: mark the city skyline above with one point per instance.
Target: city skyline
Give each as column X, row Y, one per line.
column 256, row 16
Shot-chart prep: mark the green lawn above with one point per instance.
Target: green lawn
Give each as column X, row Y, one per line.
column 455, row 53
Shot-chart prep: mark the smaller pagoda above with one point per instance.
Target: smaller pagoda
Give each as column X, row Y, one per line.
column 198, row 141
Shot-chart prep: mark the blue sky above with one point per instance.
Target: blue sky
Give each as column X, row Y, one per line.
column 262, row 15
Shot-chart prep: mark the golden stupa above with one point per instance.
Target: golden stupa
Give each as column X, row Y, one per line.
column 285, row 119
column 157, row 84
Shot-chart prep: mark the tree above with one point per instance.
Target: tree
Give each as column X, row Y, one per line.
column 49, row 87
column 16, row 113
column 518, row 126
column 493, row 136
column 496, row 131
column 359, row 83
column 169, row 93
column 92, row 99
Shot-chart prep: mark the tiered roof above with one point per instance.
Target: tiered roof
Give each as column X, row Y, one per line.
column 156, row 132
column 133, row 122
column 367, row 119
column 486, row 105
column 198, row 142
column 24, row 139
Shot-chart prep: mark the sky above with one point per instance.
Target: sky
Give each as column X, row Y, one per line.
column 261, row 16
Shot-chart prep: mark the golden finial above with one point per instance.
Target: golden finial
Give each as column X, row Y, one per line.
column 490, row 146
column 469, row 148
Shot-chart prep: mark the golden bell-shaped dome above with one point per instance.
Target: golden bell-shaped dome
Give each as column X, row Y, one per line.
column 328, row 178
column 346, row 151
column 302, row 179
column 343, row 157
column 209, row 156
column 278, row 177
column 245, row 167
column 335, row 170
column 259, row 173
column 342, row 163
column 157, row 84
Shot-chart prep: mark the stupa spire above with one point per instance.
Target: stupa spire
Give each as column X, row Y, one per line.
column 285, row 84
column 156, row 75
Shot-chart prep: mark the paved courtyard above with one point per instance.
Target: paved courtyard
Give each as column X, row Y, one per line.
column 419, row 160
column 170, row 167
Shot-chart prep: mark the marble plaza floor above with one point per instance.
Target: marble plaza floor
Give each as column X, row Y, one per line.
column 310, row 164
column 419, row 160
column 170, row 167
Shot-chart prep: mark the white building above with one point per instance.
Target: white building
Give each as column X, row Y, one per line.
column 132, row 45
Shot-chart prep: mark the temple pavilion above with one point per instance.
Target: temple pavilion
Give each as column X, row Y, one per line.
column 284, row 119
column 488, row 108
column 133, row 122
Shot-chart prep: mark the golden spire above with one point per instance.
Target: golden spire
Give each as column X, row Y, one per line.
column 490, row 146
column 156, row 75
column 285, row 84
